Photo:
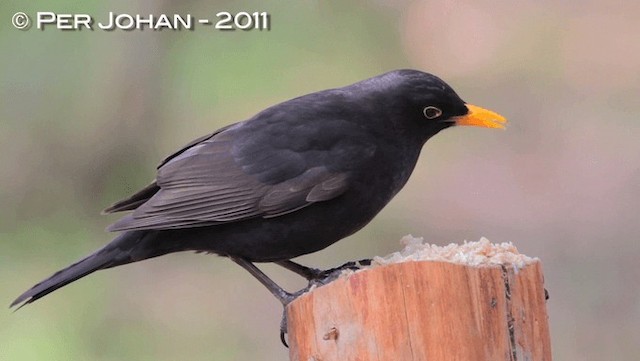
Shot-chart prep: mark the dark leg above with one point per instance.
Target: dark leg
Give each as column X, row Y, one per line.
column 315, row 277
column 283, row 296
column 314, row 274
column 304, row 271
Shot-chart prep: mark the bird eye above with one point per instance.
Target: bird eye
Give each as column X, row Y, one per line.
column 431, row 112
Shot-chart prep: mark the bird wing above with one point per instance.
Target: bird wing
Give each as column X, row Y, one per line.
column 147, row 192
column 240, row 173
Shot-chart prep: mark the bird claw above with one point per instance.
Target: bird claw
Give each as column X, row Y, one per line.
column 352, row 265
column 283, row 328
column 283, row 321
column 316, row 278
column 326, row 276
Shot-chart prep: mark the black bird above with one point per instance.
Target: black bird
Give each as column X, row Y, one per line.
column 291, row 180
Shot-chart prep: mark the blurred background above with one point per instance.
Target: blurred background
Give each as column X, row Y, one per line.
column 85, row 116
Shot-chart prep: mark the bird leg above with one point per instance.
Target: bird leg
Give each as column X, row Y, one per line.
column 315, row 277
column 304, row 271
column 283, row 296
column 320, row 277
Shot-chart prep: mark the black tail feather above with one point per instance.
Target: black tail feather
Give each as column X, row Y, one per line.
column 111, row 255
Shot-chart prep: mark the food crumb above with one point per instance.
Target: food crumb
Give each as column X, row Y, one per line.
column 480, row 253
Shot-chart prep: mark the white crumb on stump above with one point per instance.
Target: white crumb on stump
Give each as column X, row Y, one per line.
column 481, row 253
column 478, row 253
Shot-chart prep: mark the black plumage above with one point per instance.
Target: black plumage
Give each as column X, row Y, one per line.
column 291, row 180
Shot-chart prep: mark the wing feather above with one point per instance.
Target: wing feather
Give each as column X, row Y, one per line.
column 228, row 177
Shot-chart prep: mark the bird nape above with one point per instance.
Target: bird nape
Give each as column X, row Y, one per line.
column 291, row 180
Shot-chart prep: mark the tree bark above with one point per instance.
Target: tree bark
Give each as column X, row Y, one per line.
column 424, row 310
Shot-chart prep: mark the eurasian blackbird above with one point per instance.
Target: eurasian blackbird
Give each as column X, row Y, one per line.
column 291, row 180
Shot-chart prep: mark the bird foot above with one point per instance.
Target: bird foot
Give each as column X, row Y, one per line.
column 283, row 321
column 316, row 278
column 322, row 277
column 283, row 328
column 352, row 265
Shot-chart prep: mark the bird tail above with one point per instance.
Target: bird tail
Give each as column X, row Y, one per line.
column 116, row 253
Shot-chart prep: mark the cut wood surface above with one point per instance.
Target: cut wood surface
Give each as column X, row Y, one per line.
column 424, row 310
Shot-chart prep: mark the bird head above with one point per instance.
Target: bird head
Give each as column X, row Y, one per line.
column 429, row 101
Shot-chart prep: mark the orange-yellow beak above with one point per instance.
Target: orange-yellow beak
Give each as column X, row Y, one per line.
column 481, row 117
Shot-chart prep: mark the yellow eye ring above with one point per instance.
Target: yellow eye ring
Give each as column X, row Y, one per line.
column 431, row 112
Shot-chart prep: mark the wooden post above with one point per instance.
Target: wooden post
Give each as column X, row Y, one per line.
column 425, row 310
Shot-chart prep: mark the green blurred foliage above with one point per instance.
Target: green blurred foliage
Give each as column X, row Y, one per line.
column 86, row 115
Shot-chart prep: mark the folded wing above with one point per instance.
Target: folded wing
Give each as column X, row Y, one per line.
column 231, row 176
